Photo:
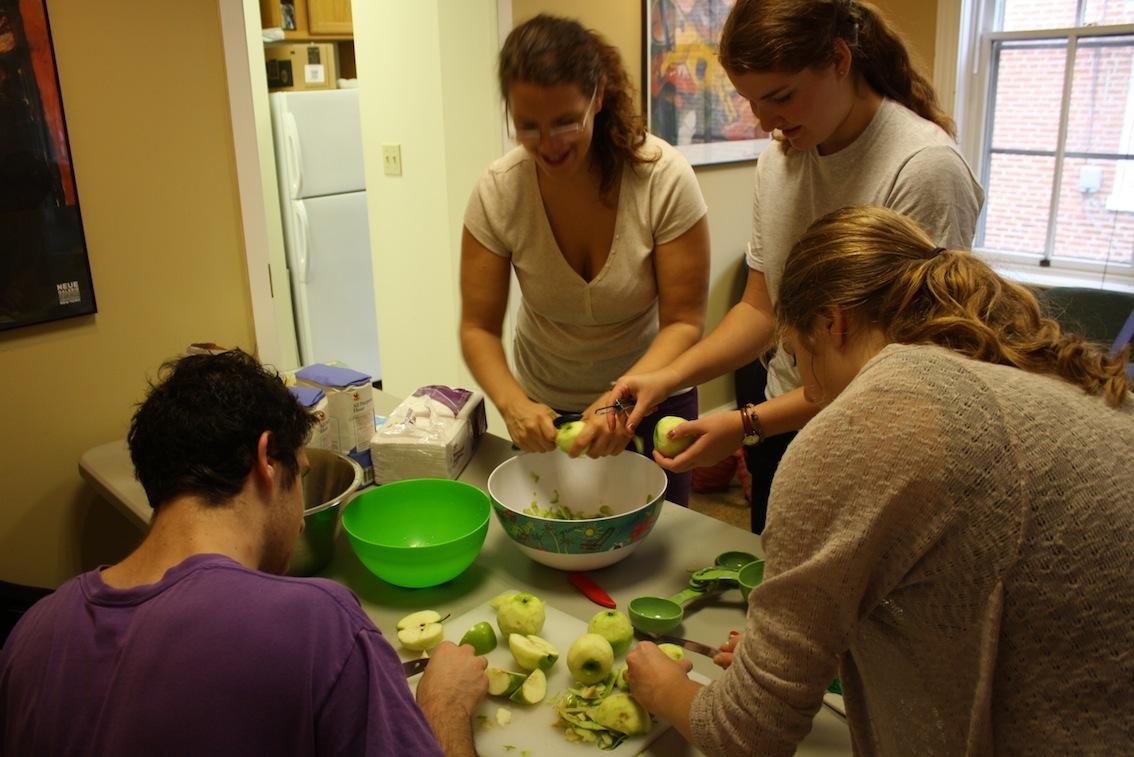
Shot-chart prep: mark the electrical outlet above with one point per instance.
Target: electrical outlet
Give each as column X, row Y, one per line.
column 392, row 160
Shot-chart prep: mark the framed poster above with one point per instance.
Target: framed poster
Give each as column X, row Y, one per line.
column 689, row 100
column 44, row 271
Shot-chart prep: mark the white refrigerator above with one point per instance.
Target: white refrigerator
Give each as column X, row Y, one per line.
column 323, row 202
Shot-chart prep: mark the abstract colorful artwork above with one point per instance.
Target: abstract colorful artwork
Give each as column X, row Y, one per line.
column 44, row 271
column 691, row 103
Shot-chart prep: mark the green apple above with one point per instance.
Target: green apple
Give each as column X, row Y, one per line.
column 481, row 638
column 532, row 652
column 503, row 715
column 622, row 713
column 500, row 599
column 675, row 652
column 534, row 689
column 590, row 658
column 565, row 437
column 663, row 444
column 420, row 631
column 615, row 627
column 502, row 682
column 620, row 679
column 520, row 613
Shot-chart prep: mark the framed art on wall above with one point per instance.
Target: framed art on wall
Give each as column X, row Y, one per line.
column 44, row 271
column 689, row 99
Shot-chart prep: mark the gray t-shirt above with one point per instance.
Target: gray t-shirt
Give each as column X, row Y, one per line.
column 901, row 161
column 574, row 337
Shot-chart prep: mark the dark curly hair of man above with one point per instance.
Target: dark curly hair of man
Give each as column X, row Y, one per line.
column 197, row 431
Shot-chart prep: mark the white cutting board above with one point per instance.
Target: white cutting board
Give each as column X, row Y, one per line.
column 531, row 734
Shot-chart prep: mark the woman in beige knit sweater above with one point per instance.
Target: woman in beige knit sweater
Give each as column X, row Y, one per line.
column 953, row 534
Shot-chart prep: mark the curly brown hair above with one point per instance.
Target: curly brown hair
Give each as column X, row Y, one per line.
column 881, row 264
column 791, row 35
column 549, row 51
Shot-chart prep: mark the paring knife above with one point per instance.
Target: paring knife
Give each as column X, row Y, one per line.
column 692, row 646
column 591, row 590
column 413, row 667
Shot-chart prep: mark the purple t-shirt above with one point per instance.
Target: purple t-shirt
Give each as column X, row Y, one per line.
column 214, row 659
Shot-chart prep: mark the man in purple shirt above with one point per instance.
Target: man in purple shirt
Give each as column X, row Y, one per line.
column 194, row 644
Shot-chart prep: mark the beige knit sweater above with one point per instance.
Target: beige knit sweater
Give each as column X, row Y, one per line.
column 956, row 540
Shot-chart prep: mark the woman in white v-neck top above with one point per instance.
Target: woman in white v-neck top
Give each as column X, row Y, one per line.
column 606, row 230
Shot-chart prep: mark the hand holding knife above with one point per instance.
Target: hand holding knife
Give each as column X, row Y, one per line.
column 692, row 646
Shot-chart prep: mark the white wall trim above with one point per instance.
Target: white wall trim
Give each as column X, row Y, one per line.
column 945, row 53
column 275, row 336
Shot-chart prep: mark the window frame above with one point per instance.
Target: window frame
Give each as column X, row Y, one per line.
column 964, row 76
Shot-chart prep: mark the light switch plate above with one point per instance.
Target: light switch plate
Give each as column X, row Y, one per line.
column 392, row 160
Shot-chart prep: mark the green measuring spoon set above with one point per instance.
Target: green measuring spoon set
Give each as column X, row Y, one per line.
column 658, row 615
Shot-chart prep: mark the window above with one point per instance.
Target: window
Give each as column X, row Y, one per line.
column 1045, row 113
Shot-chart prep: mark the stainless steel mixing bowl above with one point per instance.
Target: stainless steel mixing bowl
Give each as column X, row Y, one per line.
column 326, row 488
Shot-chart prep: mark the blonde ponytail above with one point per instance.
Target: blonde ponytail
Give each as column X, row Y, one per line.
column 880, row 263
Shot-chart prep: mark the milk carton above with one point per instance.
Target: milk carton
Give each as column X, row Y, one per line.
column 315, row 401
column 350, row 407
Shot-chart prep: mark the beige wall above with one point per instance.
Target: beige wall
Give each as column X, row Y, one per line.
column 917, row 21
column 147, row 110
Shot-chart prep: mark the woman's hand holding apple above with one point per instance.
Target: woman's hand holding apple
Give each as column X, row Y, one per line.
column 598, row 439
column 646, row 390
column 529, row 425
column 718, row 436
column 654, row 678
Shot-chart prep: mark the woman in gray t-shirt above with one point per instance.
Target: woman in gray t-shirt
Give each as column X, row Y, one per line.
column 856, row 125
column 605, row 229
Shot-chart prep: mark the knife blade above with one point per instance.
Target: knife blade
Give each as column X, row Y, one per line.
column 413, row 667
column 692, row 646
column 591, row 590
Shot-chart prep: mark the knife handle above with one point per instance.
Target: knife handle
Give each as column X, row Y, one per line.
column 591, row 590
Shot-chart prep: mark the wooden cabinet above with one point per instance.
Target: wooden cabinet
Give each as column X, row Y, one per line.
column 304, row 20
column 329, row 17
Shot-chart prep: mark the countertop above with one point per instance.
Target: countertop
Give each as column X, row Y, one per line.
column 681, row 541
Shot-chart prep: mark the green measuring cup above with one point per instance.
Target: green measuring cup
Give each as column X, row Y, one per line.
column 659, row 615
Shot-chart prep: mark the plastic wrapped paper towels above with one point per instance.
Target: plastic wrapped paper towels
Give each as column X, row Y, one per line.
column 432, row 434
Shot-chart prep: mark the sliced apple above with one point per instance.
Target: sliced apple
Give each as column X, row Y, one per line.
column 534, row 689
column 420, row 631
column 502, row 683
column 481, row 638
column 532, row 652
column 503, row 716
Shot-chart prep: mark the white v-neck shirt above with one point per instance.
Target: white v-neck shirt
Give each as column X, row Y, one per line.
column 574, row 337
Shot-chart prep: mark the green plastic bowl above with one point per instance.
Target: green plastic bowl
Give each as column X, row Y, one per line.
column 417, row 533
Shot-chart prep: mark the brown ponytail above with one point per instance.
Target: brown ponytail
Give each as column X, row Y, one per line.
column 791, row 35
column 882, row 265
column 550, row 51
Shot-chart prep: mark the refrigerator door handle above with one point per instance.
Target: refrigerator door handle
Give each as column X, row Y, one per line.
column 302, row 239
column 293, row 153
